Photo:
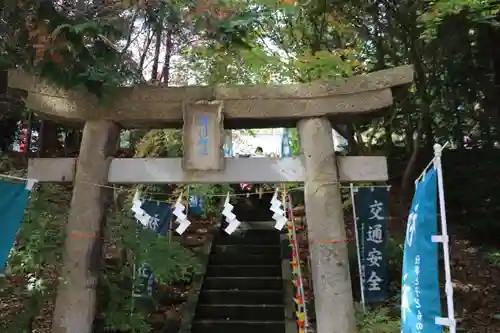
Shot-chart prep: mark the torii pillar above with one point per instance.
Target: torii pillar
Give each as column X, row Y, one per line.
column 326, row 229
column 76, row 299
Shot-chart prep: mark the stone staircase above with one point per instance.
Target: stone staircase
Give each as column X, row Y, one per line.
column 242, row 291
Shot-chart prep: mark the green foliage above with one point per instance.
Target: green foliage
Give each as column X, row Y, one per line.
column 121, row 317
column 33, row 261
column 168, row 143
column 40, row 237
column 480, row 11
column 96, row 67
column 395, row 249
column 235, row 67
column 324, row 65
column 493, row 256
column 72, row 51
column 76, row 48
column 160, row 143
column 376, row 320
column 6, row 166
column 170, row 262
column 213, row 195
column 294, row 142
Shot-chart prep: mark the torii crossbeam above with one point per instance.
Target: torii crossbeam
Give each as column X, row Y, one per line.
column 257, row 106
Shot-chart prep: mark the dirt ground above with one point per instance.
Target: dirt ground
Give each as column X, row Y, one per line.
column 476, row 288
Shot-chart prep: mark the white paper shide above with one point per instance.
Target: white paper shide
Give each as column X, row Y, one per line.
column 231, row 219
column 182, row 219
column 279, row 214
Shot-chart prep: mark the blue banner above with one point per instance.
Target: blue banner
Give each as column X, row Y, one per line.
column 420, row 298
column 196, row 205
column 203, row 135
column 228, row 144
column 286, row 147
column 371, row 215
column 161, row 214
column 145, row 282
column 160, row 217
column 12, row 204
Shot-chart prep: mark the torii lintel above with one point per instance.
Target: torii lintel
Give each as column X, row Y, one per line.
column 245, row 106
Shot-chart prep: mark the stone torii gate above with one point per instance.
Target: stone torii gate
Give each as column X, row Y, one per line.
column 204, row 112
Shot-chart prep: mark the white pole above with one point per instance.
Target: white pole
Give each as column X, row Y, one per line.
column 438, row 149
column 187, row 201
column 12, row 177
column 358, row 248
column 424, row 171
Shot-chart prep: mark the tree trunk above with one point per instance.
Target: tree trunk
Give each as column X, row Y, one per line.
column 458, row 135
column 156, row 59
column 145, row 50
column 494, row 40
column 29, row 129
column 410, row 166
column 168, row 56
column 72, row 142
column 76, row 295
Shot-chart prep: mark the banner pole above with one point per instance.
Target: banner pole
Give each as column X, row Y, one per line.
column 358, row 249
column 12, row 177
column 438, row 149
column 187, row 201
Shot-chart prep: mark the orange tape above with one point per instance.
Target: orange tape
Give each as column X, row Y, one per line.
column 331, row 241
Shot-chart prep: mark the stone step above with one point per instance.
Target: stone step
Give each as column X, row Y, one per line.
column 271, row 250
column 243, row 283
column 260, row 225
column 249, row 237
column 246, row 297
column 241, row 271
column 259, row 210
column 243, row 259
column 236, row 326
column 240, row 312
